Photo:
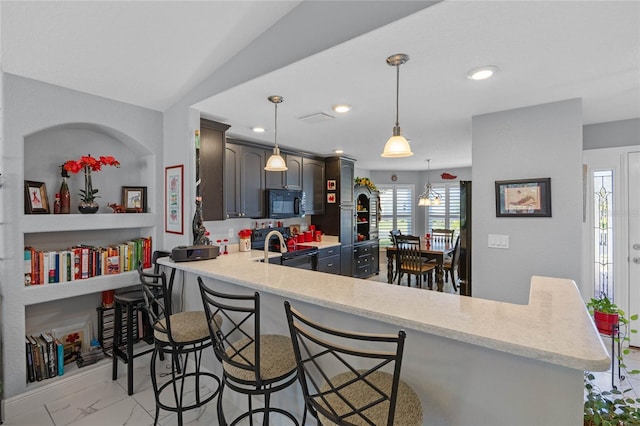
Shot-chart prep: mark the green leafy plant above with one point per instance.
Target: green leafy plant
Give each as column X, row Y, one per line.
column 611, row 407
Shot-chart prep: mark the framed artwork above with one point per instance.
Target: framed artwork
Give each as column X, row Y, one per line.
column 523, row 198
column 331, row 197
column 331, row 185
column 174, row 199
column 134, row 199
column 35, row 198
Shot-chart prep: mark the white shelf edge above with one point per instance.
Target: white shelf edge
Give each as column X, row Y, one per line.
column 40, row 293
column 35, row 224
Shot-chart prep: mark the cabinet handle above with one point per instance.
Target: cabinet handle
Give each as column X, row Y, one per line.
column 329, row 265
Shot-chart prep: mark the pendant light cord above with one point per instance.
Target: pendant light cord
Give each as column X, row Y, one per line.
column 276, row 126
column 397, row 95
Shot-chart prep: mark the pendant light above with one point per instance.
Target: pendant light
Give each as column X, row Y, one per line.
column 276, row 163
column 429, row 197
column 397, row 146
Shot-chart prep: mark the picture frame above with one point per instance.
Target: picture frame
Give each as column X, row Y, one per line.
column 331, row 185
column 523, row 198
column 35, row 198
column 134, row 199
column 331, row 197
column 174, row 199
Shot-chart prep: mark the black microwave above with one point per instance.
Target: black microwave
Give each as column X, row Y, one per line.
column 283, row 203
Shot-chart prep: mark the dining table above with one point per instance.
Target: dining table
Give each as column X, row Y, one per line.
column 430, row 250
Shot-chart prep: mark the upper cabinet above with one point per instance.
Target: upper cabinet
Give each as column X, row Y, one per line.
column 210, row 168
column 313, row 185
column 244, row 181
column 289, row 179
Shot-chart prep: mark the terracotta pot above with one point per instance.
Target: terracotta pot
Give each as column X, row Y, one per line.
column 605, row 322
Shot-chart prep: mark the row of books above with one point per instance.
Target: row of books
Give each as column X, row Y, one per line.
column 44, row 356
column 84, row 261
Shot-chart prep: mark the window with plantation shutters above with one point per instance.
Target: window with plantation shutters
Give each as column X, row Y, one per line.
column 397, row 210
column 447, row 214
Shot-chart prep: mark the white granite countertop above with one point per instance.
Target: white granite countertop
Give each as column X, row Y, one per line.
column 554, row 327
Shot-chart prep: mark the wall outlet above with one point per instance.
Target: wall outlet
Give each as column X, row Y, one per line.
column 232, row 232
column 498, row 241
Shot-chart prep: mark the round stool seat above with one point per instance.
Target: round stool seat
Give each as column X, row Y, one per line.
column 129, row 297
column 408, row 407
column 186, row 327
column 277, row 358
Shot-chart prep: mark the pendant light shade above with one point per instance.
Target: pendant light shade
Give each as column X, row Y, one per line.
column 429, row 197
column 276, row 163
column 397, row 146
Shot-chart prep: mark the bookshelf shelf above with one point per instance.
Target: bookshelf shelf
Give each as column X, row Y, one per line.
column 56, row 291
column 37, row 224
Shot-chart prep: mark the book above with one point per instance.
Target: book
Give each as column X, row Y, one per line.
column 29, row 358
column 27, row 266
column 84, row 262
column 37, row 358
column 42, row 344
column 59, row 356
column 52, row 362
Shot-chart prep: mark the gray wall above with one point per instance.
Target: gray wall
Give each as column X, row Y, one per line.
column 533, row 142
column 36, row 114
column 612, row 134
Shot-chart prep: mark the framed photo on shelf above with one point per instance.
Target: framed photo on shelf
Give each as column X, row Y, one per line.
column 35, row 198
column 174, row 199
column 523, row 198
column 134, row 199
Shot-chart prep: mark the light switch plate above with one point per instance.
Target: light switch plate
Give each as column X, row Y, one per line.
column 498, row 241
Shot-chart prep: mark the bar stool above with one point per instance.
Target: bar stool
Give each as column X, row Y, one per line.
column 356, row 395
column 129, row 302
column 253, row 364
column 178, row 335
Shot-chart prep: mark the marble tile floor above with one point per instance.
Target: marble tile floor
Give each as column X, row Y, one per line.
column 107, row 403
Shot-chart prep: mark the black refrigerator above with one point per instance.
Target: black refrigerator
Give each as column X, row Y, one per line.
column 464, row 263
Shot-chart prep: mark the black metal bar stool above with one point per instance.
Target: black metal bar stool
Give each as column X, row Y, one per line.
column 344, row 384
column 253, row 364
column 129, row 302
column 179, row 335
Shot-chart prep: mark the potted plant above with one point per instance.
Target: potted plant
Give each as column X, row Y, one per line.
column 606, row 314
column 611, row 407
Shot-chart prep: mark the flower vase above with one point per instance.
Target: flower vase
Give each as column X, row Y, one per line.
column 88, row 205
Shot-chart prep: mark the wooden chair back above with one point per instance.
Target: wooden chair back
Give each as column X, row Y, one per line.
column 442, row 235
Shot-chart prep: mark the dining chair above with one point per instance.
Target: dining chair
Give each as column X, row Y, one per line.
column 442, row 235
column 409, row 260
column 392, row 235
column 450, row 265
column 345, row 384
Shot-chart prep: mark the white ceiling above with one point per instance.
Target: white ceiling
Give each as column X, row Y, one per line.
column 546, row 50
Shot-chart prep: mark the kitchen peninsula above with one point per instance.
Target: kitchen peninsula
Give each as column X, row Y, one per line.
column 467, row 358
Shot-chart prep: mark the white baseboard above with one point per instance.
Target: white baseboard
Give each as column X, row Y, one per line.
column 24, row 403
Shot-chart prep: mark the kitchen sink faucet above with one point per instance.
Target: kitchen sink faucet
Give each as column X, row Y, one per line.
column 283, row 245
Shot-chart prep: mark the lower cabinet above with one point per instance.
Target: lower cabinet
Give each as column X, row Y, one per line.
column 329, row 260
column 365, row 259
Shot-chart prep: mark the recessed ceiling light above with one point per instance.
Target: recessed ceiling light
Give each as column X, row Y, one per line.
column 482, row 73
column 338, row 151
column 258, row 129
column 342, row 108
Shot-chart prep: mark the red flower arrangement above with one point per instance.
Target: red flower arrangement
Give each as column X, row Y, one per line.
column 89, row 164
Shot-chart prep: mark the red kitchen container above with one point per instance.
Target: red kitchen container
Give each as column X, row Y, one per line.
column 300, row 238
column 318, row 236
column 308, row 236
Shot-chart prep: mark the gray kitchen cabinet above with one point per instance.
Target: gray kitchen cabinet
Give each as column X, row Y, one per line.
column 244, row 181
column 210, row 168
column 339, row 217
column 289, row 179
column 313, row 184
column 329, row 260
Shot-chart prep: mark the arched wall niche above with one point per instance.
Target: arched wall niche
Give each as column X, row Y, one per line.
column 47, row 149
